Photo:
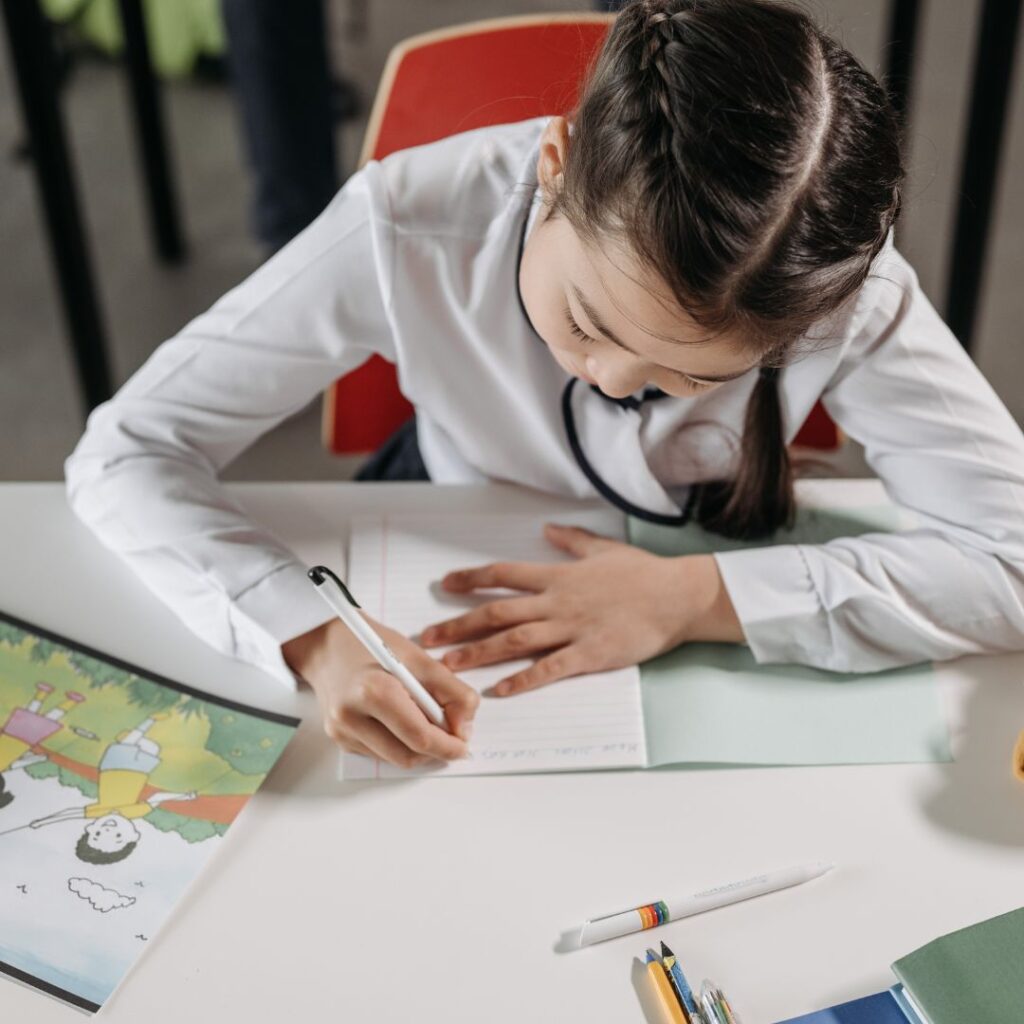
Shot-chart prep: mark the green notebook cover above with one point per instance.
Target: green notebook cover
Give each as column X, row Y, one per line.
column 972, row 976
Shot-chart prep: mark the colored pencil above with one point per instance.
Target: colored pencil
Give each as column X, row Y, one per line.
column 679, row 982
column 670, row 1008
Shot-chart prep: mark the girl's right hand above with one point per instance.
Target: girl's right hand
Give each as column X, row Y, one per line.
column 367, row 710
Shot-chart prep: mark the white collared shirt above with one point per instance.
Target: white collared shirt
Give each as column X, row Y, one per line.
column 416, row 259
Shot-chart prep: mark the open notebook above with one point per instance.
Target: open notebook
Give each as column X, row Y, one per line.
column 593, row 721
column 701, row 704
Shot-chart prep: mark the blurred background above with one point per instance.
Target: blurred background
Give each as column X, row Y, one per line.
column 221, row 68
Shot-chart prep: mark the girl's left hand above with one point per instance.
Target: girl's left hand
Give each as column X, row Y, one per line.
column 615, row 605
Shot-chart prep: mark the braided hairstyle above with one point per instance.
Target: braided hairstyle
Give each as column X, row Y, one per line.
column 754, row 165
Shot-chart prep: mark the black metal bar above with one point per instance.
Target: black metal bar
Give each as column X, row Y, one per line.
column 150, row 136
column 993, row 68
column 901, row 47
column 34, row 62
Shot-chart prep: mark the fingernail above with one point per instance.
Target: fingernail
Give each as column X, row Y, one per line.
column 466, row 731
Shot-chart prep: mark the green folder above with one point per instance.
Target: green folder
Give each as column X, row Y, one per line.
column 971, row 976
column 714, row 704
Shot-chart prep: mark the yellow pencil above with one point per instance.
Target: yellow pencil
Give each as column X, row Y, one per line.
column 670, row 1008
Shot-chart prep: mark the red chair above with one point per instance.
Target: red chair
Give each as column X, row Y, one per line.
column 449, row 81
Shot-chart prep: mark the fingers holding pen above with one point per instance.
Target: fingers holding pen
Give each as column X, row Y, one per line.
column 392, row 707
column 368, row 711
column 458, row 700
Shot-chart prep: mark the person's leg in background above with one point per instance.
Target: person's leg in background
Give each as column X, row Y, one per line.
column 277, row 52
column 398, row 458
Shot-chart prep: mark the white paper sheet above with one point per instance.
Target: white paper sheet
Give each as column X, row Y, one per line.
column 396, row 563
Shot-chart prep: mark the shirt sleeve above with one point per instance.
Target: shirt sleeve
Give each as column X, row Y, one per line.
column 144, row 476
column 944, row 447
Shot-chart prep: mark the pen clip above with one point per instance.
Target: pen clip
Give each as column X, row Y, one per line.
column 317, row 574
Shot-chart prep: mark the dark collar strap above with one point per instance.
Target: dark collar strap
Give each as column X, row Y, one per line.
column 602, row 487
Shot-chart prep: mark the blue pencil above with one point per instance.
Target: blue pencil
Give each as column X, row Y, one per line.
column 680, row 984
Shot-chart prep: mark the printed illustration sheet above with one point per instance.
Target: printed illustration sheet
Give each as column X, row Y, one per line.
column 115, row 787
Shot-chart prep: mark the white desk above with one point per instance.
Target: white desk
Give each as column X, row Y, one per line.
column 322, row 884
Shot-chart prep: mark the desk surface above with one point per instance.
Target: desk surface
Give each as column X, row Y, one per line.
column 320, row 882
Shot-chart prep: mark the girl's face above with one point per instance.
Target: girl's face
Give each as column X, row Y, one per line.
column 606, row 319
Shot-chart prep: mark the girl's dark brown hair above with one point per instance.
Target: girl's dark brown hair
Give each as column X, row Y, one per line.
column 754, row 164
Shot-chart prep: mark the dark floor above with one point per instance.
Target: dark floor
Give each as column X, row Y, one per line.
column 143, row 303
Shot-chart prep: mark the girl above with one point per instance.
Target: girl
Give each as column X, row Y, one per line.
column 643, row 305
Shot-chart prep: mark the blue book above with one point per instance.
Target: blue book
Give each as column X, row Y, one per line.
column 971, row 976
column 889, row 1007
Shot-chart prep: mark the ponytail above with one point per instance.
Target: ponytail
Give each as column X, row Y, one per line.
column 760, row 500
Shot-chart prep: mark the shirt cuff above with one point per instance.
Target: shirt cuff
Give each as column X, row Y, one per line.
column 283, row 605
column 775, row 599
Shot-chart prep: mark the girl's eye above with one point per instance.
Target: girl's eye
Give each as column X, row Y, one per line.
column 575, row 329
column 578, row 332
column 695, row 385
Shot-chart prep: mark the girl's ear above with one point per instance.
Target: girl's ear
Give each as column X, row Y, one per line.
column 554, row 148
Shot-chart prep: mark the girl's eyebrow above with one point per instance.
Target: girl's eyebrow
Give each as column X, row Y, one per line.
column 604, row 329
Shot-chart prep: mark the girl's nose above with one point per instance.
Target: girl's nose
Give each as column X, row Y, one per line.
column 617, row 376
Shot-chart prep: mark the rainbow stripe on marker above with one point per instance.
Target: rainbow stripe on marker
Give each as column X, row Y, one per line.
column 653, row 914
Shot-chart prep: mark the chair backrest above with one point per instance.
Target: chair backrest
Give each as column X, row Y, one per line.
column 449, row 81
column 438, row 84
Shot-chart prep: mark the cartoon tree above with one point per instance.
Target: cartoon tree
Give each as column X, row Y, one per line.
column 192, row 830
column 250, row 745
column 143, row 693
column 11, row 634
column 99, row 673
column 49, row 770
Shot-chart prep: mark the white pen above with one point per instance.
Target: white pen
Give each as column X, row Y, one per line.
column 345, row 607
column 611, row 926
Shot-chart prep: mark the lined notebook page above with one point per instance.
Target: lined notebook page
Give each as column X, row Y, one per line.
column 396, row 563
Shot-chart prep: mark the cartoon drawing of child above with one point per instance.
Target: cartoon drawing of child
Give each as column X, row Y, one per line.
column 25, row 727
column 125, row 767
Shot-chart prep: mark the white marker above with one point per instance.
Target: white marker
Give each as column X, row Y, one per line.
column 345, row 607
column 611, row 926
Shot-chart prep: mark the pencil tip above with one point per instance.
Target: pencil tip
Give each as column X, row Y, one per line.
column 651, row 956
column 665, row 951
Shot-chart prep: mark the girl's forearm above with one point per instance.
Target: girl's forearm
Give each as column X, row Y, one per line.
column 714, row 618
